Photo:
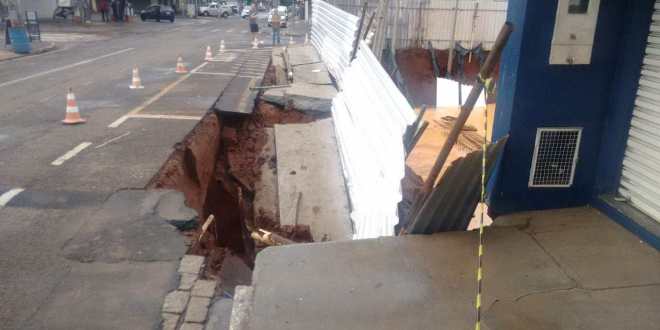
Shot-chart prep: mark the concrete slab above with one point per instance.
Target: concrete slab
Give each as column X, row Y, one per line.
column 303, row 97
column 411, row 282
column 219, row 314
column 237, row 97
column 126, row 228
column 311, row 188
column 303, row 54
column 630, row 308
column 265, row 196
column 108, row 296
column 601, row 255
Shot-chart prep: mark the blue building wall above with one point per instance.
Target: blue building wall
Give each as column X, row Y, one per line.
column 597, row 97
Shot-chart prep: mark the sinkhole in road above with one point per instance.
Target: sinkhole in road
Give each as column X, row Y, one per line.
column 217, row 167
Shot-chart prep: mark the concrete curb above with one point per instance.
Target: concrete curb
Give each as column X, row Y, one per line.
column 49, row 47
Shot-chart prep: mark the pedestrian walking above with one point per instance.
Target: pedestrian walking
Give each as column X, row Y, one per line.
column 104, row 7
column 275, row 21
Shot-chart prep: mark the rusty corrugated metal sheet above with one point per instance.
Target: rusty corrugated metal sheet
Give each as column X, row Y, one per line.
column 453, row 201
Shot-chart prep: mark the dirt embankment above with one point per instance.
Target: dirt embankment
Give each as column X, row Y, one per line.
column 416, row 68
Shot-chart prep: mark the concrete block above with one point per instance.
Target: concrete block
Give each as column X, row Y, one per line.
column 170, row 321
column 191, row 264
column 240, row 313
column 303, row 97
column 219, row 314
column 175, row 302
column 204, row 288
column 191, row 326
column 309, row 174
column 197, row 310
column 187, row 281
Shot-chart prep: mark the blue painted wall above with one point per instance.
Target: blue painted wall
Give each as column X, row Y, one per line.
column 597, row 97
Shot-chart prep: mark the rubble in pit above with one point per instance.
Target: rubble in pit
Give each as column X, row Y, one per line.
column 217, row 167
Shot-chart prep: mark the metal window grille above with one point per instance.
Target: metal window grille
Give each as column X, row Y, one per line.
column 555, row 155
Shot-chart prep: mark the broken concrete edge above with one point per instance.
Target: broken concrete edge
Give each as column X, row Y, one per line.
column 187, row 306
column 240, row 313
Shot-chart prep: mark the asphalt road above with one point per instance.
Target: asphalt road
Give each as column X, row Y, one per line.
column 128, row 135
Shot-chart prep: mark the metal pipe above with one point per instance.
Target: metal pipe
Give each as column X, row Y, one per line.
column 450, row 60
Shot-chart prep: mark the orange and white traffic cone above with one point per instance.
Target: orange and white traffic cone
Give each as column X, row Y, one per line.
column 180, row 67
column 221, row 49
column 72, row 116
column 136, row 83
column 209, row 55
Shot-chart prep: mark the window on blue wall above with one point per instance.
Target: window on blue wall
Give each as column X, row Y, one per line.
column 578, row 6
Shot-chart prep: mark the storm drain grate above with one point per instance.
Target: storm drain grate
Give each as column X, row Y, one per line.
column 555, row 156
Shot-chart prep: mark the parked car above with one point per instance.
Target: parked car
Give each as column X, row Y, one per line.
column 234, row 6
column 246, row 12
column 157, row 12
column 215, row 9
column 284, row 16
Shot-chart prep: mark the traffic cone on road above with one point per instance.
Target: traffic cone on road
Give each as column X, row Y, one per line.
column 221, row 49
column 180, row 67
column 209, row 55
column 136, row 83
column 72, row 116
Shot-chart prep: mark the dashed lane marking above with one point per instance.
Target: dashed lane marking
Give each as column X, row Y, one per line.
column 156, row 97
column 111, row 140
column 70, row 154
column 9, row 195
column 66, row 67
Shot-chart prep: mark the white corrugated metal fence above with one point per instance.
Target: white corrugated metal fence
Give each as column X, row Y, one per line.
column 370, row 116
column 640, row 176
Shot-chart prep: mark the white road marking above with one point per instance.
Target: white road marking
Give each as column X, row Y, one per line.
column 71, row 153
column 66, row 67
column 149, row 116
column 9, row 195
column 215, row 30
column 111, row 140
column 230, row 30
column 155, row 98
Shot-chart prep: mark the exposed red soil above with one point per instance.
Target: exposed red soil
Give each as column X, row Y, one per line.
column 216, row 166
column 416, row 69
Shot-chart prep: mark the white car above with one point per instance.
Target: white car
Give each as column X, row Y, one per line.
column 215, row 9
column 284, row 16
column 246, row 12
